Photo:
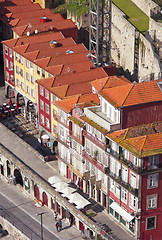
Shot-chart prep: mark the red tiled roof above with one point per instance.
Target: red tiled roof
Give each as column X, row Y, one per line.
column 34, row 20
column 133, row 94
column 67, row 104
column 21, row 8
column 56, row 26
column 45, row 37
column 142, row 141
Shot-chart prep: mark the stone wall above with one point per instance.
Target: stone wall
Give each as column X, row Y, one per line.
column 145, row 5
column 14, row 233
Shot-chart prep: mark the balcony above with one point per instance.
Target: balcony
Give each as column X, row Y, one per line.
column 76, row 137
column 93, row 161
column 100, row 118
column 121, row 182
column 94, row 139
column 75, row 154
column 63, row 141
column 61, row 120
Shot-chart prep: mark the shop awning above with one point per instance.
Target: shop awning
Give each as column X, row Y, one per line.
column 67, row 191
column 121, row 212
column 74, row 197
column 45, row 136
column 59, row 185
column 54, row 179
column 80, row 204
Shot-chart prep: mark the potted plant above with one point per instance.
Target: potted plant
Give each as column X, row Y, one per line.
column 95, row 154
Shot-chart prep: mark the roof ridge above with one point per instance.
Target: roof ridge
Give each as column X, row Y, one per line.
column 53, row 80
column 49, row 61
column 128, row 94
column 67, row 90
column 108, row 78
column 141, row 149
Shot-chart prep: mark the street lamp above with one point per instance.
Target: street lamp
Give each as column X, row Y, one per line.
column 41, row 214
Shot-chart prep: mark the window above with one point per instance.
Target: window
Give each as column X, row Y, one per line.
column 38, row 70
column 134, row 160
column 110, row 112
column 21, row 72
column 49, row 75
column 17, row 69
column 54, row 113
column 11, row 66
column 117, row 189
column 89, row 128
column 46, row 94
column 43, row 73
column 22, row 86
column 54, row 97
column 75, row 145
column 42, row 119
column 80, row 112
column 105, row 108
column 28, row 90
column 6, row 50
column 153, row 161
column 92, row 169
column 54, row 129
column 125, row 174
column 12, row 79
column 112, row 185
column 41, row 91
column 21, row 60
column 76, row 110
column 111, row 164
column 41, row 105
column 150, row 223
column 27, row 76
column 75, row 129
column 126, row 154
column 11, row 53
column 7, row 63
column 61, row 131
column 88, row 147
column 47, row 108
column 87, row 165
column 105, row 160
column 117, row 168
column 31, row 64
column 32, row 79
column 153, row 180
column 152, row 201
column 133, row 180
column 32, row 93
column 7, row 76
column 17, row 82
column 132, row 200
column 27, row 63
column 47, row 123
column 16, row 56
column 124, row 195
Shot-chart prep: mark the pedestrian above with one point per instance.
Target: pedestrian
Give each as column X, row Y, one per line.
column 60, row 225
column 55, row 216
column 57, row 226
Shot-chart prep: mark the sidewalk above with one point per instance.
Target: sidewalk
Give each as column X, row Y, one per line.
column 19, row 197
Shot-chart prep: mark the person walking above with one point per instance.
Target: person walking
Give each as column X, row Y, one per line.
column 60, row 225
column 57, row 226
column 55, row 216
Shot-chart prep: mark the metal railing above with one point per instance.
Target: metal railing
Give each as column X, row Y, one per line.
column 17, row 223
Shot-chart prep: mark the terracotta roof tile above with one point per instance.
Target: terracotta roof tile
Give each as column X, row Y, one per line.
column 67, row 104
column 21, row 8
column 133, row 94
column 35, row 20
column 45, row 37
column 60, row 91
column 116, row 95
column 142, row 141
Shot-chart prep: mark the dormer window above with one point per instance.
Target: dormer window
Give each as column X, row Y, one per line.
column 76, row 110
column 46, row 94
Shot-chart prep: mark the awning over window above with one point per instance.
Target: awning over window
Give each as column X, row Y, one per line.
column 121, row 212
